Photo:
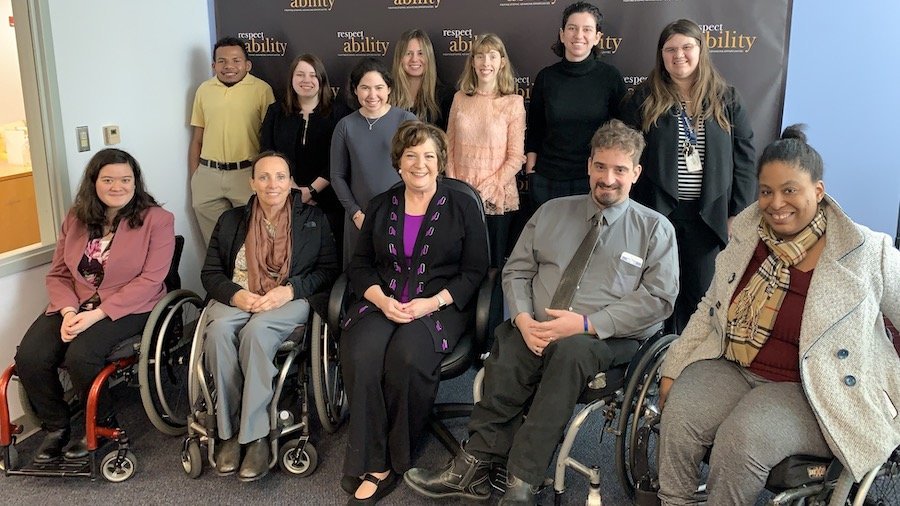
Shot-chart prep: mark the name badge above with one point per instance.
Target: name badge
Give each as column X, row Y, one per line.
column 630, row 259
column 692, row 160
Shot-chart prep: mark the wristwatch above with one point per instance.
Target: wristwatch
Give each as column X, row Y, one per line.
column 312, row 191
column 441, row 301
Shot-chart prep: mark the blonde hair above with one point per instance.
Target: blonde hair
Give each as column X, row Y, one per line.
column 485, row 43
column 423, row 105
column 707, row 98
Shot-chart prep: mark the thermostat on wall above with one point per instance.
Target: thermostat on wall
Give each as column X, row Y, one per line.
column 111, row 135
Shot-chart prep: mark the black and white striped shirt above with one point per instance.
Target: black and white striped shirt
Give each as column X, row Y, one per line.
column 689, row 183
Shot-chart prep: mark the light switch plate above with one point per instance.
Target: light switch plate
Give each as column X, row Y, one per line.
column 111, row 135
column 82, row 139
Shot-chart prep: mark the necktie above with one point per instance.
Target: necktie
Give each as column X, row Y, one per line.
column 565, row 292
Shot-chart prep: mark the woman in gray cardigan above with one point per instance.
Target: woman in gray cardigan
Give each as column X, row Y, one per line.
column 787, row 353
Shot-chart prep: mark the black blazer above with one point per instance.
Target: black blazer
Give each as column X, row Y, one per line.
column 314, row 264
column 450, row 252
column 729, row 176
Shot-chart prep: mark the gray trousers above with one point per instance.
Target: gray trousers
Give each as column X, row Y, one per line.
column 240, row 350
column 754, row 423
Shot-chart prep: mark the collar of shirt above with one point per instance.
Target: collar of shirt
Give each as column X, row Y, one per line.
column 609, row 215
column 243, row 82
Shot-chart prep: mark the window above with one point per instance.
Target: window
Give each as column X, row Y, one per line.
column 33, row 192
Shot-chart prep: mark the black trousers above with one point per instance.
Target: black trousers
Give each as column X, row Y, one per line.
column 391, row 373
column 43, row 351
column 543, row 189
column 698, row 246
column 515, row 377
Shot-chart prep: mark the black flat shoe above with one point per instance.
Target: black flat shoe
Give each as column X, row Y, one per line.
column 350, row 483
column 52, row 446
column 256, row 460
column 76, row 450
column 383, row 488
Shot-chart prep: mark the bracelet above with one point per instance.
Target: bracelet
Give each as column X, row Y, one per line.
column 585, row 323
column 441, row 301
column 69, row 311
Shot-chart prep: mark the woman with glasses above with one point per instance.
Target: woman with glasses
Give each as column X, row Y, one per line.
column 698, row 164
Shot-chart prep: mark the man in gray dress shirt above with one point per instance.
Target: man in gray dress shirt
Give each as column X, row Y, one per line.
column 628, row 287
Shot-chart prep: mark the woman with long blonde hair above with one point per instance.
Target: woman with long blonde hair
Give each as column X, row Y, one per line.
column 418, row 89
column 698, row 164
column 486, row 131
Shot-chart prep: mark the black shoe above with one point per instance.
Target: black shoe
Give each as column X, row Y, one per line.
column 350, row 483
column 76, row 450
column 383, row 487
column 463, row 476
column 52, row 446
column 228, row 458
column 518, row 493
column 256, row 460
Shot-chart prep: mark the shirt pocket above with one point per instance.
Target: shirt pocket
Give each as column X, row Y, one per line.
column 626, row 279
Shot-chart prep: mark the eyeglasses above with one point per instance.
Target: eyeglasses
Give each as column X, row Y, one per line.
column 687, row 48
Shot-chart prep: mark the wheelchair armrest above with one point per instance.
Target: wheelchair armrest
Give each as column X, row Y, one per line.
column 336, row 300
column 483, row 309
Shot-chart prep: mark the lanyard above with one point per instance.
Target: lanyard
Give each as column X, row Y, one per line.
column 688, row 129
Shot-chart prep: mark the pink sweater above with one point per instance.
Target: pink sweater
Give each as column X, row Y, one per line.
column 487, row 147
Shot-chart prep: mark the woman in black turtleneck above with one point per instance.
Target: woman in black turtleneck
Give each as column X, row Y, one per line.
column 569, row 101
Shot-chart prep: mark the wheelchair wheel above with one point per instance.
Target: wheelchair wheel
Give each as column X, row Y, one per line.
column 300, row 465
column 881, row 488
column 192, row 459
column 638, row 429
column 328, row 385
column 164, row 360
column 121, row 471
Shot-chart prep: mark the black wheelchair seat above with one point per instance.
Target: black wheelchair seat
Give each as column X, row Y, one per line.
column 798, row 471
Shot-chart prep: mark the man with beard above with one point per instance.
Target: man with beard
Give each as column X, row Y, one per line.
column 589, row 278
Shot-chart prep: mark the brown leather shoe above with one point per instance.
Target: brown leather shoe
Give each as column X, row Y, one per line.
column 228, row 456
column 256, row 460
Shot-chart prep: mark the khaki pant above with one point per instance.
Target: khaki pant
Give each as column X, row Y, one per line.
column 215, row 191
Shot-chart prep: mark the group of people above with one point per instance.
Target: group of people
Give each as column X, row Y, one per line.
column 644, row 210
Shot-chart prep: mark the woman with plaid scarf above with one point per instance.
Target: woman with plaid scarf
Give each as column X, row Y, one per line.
column 787, row 353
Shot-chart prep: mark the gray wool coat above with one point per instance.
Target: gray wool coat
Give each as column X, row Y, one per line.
column 849, row 369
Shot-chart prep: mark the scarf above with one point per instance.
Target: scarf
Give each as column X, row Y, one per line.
column 752, row 314
column 268, row 255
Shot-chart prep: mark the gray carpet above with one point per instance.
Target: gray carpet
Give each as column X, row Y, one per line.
column 161, row 480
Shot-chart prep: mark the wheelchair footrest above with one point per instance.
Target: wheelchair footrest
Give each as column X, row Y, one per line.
column 60, row 467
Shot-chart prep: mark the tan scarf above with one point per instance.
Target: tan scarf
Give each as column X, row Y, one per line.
column 752, row 314
column 268, row 256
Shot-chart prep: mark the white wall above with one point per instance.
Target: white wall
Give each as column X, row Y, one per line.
column 10, row 81
column 136, row 65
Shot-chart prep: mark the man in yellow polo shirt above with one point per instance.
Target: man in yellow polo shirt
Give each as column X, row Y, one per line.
column 228, row 111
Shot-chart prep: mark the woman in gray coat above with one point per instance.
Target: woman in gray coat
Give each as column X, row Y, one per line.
column 787, row 353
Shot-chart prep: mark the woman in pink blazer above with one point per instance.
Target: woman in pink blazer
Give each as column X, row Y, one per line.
column 111, row 259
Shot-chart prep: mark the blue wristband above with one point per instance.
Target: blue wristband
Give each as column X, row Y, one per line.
column 585, row 324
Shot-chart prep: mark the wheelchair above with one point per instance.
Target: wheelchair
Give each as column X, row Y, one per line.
column 797, row 480
column 328, row 386
column 155, row 360
column 288, row 411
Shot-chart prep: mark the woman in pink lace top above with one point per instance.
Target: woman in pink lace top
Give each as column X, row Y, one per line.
column 486, row 133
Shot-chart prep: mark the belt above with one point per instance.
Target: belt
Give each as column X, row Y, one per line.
column 226, row 165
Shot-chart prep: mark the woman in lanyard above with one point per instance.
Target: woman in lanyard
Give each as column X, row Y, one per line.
column 698, row 164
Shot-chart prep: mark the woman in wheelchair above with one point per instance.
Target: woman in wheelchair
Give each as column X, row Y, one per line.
column 264, row 260
column 787, row 353
column 112, row 256
column 416, row 269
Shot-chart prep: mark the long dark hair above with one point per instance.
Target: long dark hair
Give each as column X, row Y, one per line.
column 91, row 211
column 326, row 94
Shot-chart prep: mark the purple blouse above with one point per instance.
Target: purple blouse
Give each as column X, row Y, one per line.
column 411, row 226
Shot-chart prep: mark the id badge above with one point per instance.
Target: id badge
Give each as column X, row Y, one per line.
column 692, row 160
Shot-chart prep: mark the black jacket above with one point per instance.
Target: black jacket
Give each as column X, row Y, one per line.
column 314, row 265
column 729, row 175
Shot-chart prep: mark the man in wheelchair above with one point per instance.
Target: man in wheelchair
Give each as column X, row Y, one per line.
column 583, row 295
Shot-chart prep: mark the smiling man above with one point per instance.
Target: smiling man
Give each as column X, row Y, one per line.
column 226, row 118
column 590, row 277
